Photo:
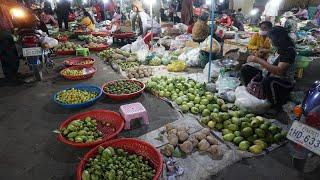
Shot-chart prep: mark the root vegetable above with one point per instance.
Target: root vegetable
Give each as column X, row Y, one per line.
column 186, row 147
column 216, row 152
column 212, row 140
column 200, row 136
column 182, row 136
column 203, row 145
column 173, row 139
column 193, row 140
column 183, row 128
column 173, row 131
column 205, row 131
column 169, row 127
column 167, row 150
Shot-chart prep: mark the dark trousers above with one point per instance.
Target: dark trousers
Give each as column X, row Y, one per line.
column 276, row 89
column 63, row 19
column 8, row 55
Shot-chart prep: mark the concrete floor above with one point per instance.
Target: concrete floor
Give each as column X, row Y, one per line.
column 29, row 149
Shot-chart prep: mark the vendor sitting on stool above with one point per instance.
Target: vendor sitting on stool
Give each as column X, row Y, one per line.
column 259, row 43
column 146, row 22
column 87, row 21
column 278, row 71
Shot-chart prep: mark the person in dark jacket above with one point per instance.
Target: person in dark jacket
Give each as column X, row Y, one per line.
column 63, row 10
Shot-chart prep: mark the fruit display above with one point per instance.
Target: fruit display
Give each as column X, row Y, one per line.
column 176, row 66
column 94, row 39
column 117, row 55
column 127, row 65
column 94, row 45
column 82, row 131
column 247, row 131
column 235, row 125
column 68, row 46
column 182, row 142
column 65, row 33
column 75, row 96
column 115, row 163
column 72, row 72
column 155, row 61
column 139, row 72
column 122, row 87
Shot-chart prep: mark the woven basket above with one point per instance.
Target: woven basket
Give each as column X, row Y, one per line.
column 89, row 72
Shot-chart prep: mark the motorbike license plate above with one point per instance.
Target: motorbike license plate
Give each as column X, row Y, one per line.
column 306, row 136
column 35, row 51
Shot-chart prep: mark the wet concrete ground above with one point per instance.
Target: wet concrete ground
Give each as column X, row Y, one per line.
column 29, row 149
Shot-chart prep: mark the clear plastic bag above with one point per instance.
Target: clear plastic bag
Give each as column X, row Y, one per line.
column 191, row 57
column 139, row 45
column 205, row 45
column 126, row 48
column 248, row 102
column 215, row 70
column 225, row 83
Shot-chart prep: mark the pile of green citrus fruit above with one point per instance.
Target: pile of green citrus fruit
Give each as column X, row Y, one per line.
column 75, row 96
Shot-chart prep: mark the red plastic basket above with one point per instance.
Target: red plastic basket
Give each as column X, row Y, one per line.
column 130, row 145
column 101, row 34
column 89, row 72
column 75, row 61
column 65, row 53
column 111, row 117
column 123, row 35
column 122, row 97
column 101, row 48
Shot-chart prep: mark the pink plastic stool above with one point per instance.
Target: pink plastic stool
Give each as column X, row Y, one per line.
column 133, row 111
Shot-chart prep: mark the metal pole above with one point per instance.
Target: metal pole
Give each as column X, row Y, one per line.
column 213, row 6
column 151, row 14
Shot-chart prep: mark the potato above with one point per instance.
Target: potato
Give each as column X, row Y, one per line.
column 203, row 145
column 193, row 140
column 167, row 150
column 200, row 136
column 186, row 147
column 169, row 127
column 212, row 140
column 205, row 131
column 173, row 139
column 182, row 136
column 216, row 152
column 172, row 131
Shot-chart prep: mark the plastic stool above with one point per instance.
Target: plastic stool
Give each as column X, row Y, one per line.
column 133, row 111
column 82, row 52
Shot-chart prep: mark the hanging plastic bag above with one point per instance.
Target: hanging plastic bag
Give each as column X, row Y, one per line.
column 247, row 102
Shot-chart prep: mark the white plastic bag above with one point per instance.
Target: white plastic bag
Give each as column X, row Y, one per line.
column 50, row 41
column 215, row 70
column 248, row 102
column 182, row 27
column 138, row 45
column 159, row 50
column 191, row 57
column 225, row 83
column 142, row 54
column 205, row 45
column 126, row 48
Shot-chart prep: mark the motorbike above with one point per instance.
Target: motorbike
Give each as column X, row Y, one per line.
column 304, row 134
column 35, row 55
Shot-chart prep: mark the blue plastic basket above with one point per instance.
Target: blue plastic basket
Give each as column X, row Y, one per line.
column 90, row 88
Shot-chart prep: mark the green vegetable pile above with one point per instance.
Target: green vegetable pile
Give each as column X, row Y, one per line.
column 122, row 87
column 246, row 130
column 128, row 65
column 117, row 55
column 82, row 131
column 75, row 96
column 117, row 164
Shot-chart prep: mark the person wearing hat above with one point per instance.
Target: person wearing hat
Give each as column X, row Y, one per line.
column 291, row 25
column 146, row 20
column 259, row 43
column 201, row 30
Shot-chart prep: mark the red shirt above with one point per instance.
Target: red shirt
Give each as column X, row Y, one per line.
column 226, row 21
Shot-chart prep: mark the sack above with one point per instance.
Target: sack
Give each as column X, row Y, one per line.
column 255, row 87
column 247, row 102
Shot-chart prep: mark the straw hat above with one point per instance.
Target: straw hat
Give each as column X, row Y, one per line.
column 137, row 4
